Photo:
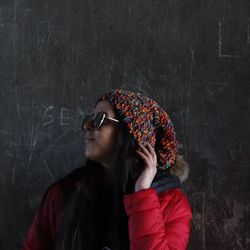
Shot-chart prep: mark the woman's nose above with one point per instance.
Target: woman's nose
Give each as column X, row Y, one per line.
column 88, row 126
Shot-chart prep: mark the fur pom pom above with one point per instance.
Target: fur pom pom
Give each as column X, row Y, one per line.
column 180, row 168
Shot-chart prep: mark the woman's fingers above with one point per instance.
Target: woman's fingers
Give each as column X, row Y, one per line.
column 147, row 153
column 144, row 150
column 152, row 151
column 142, row 155
column 148, row 150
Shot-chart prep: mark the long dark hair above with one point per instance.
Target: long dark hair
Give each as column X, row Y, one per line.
column 93, row 212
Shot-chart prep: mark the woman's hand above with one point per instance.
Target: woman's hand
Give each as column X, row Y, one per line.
column 149, row 156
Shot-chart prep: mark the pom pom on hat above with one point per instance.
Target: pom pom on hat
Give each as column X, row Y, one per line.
column 147, row 122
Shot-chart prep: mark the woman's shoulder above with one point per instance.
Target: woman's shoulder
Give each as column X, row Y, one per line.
column 66, row 183
column 82, row 178
column 174, row 203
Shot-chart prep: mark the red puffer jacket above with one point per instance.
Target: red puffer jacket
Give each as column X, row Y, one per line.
column 156, row 221
column 158, row 217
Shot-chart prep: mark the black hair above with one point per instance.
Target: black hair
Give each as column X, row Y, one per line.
column 93, row 213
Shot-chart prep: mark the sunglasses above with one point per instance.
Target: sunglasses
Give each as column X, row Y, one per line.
column 96, row 119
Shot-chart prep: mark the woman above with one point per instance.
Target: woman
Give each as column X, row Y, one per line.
column 127, row 196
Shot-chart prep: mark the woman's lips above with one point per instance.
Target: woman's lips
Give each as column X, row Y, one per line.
column 87, row 140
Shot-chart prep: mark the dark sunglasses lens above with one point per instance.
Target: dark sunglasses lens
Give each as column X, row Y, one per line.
column 86, row 119
column 98, row 119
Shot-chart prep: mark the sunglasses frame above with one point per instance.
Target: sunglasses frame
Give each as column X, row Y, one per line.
column 94, row 115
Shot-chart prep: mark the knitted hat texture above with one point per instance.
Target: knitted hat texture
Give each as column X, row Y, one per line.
column 147, row 123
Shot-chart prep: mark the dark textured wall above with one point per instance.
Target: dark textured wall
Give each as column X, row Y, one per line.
column 57, row 57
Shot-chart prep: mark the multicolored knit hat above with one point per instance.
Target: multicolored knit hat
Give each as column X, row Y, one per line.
column 147, row 122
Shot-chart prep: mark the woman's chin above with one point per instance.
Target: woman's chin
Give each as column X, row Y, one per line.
column 91, row 156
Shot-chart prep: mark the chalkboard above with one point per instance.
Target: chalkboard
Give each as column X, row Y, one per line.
column 57, row 57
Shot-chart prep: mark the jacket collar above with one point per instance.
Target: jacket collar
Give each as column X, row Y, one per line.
column 164, row 181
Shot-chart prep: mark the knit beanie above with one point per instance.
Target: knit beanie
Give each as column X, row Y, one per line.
column 147, row 123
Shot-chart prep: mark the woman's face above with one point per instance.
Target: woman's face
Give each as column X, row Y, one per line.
column 100, row 143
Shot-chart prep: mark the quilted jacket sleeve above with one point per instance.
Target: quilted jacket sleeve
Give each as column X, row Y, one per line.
column 43, row 227
column 155, row 225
